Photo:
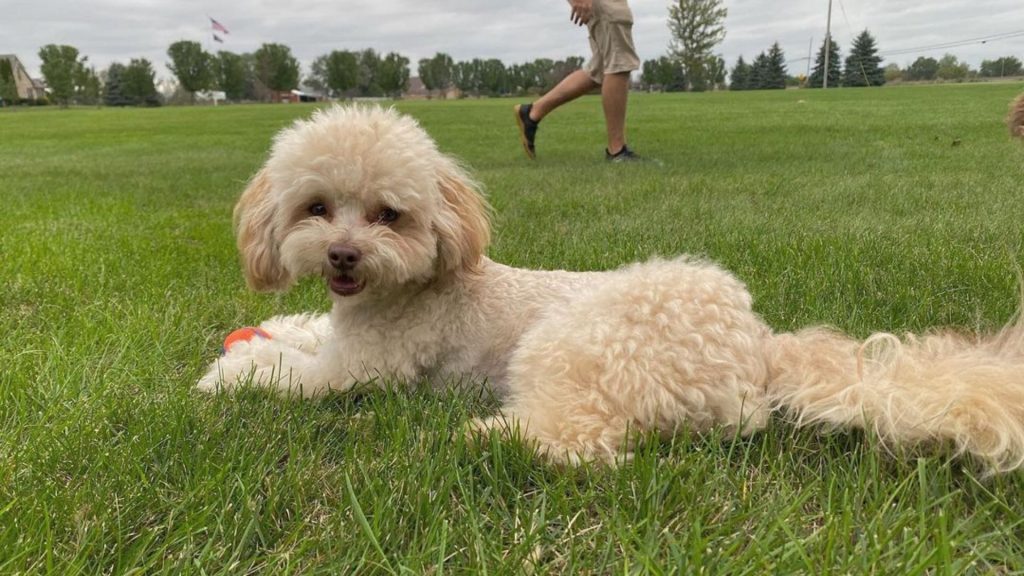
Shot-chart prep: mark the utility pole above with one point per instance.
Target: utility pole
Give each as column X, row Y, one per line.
column 810, row 58
column 828, row 45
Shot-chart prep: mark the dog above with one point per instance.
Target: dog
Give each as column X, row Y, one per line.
column 1015, row 119
column 362, row 198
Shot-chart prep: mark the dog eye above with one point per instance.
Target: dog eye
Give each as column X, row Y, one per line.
column 387, row 216
column 318, row 209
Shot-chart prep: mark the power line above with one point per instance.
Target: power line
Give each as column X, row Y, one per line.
column 955, row 43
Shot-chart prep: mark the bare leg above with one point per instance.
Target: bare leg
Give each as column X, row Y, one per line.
column 614, row 93
column 570, row 88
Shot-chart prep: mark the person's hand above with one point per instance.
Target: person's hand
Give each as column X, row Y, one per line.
column 582, row 11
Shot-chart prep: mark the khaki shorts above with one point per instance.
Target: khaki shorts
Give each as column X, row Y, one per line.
column 611, row 40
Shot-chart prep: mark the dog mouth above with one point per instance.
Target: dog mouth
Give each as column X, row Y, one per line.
column 345, row 285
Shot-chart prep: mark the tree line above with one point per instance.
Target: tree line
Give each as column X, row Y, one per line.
column 273, row 68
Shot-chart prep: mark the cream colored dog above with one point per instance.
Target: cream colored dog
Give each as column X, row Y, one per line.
column 362, row 198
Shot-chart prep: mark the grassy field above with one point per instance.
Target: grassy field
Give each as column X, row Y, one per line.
column 896, row 209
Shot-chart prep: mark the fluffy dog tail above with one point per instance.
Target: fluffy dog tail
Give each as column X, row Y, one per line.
column 940, row 387
column 1015, row 121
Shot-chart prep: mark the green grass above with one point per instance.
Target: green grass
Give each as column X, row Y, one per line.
column 118, row 280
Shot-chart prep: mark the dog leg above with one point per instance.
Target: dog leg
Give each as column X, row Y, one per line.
column 287, row 361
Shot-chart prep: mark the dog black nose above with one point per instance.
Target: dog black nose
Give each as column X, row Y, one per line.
column 343, row 256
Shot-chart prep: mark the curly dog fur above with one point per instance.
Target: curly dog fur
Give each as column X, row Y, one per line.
column 362, row 198
column 1015, row 120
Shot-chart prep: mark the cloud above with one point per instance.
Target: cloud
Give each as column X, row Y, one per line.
column 118, row 30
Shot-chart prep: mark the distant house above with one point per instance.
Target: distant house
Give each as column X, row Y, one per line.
column 418, row 91
column 28, row 87
column 289, row 96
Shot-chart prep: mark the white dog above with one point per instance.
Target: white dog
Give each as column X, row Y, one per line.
column 362, row 198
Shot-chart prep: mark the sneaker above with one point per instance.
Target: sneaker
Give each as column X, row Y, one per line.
column 623, row 155
column 527, row 128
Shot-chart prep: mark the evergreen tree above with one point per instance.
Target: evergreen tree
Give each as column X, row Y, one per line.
column 739, row 79
column 758, row 79
column 863, row 65
column 697, row 26
column 113, row 90
column 817, row 79
column 775, row 76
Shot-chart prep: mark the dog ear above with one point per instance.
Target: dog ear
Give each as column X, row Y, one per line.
column 254, row 225
column 464, row 229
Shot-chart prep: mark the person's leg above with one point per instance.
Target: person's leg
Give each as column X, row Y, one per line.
column 570, row 88
column 614, row 94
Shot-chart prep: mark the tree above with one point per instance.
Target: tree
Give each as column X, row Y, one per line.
column 1005, row 66
column 494, row 77
column 759, row 73
column 468, row 76
column 863, row 65
column 335, row 73
column 892, row 72
column 276, row 68
column 88, row 88
column 137, row 83
column 717, row 71
column 437, row 72
column 817, row 78
column 739, row 78
column 697, row 26
column 393, row 74
column 231, row 74
column 193, row 66
column 8, row 88
column 774, row 76
column 369, row 73
column 113, row 93
column 60, row 65
column 664, row 74
column 317, row 79
column 342, row 71
column 559, row 70
column 922, row 69
column 950, row 68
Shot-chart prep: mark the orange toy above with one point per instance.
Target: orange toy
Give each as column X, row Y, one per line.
column 243, row 335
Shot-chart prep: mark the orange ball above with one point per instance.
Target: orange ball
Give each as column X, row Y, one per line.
column 243, row 335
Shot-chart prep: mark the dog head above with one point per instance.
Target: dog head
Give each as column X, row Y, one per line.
column 362, row 197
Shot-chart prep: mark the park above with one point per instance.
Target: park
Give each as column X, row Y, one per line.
column 895, row 208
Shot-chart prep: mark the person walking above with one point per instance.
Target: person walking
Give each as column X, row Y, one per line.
column 613, row 57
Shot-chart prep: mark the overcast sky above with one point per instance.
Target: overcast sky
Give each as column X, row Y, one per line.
column 513, row 31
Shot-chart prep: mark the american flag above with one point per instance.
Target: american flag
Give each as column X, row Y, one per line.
column 218, row 27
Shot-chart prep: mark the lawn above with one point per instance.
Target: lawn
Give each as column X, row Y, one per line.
column 896, row 209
